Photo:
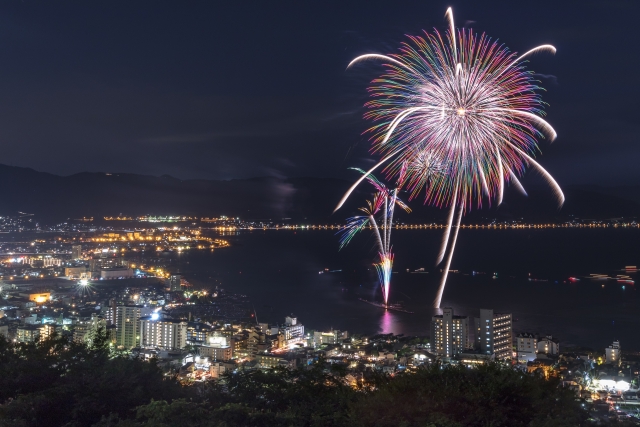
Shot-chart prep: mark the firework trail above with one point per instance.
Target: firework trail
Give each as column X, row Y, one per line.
column 466, row 112
column 384, row 203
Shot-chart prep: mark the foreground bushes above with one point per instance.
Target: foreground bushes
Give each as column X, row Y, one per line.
column 58, row 383
column 435, row 396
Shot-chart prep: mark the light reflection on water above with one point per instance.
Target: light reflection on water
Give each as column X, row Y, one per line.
column 387, row 323
column 279, row 272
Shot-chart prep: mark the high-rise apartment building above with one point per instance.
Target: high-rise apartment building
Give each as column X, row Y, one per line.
column 47, row 331
column 126, row 318
column 76, row 251
column 175, row 283
column 162, row 333
column 494, row 334
column 449, row 333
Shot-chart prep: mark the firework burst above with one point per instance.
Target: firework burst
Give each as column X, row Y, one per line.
column 383, row 205
column 456, row 117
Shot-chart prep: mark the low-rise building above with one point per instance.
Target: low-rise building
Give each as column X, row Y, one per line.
column 331, row 337
column 37, row 297
column 613, row 383
column 548, row 345
column 270, row 360
column 197, row 333
column 216, row 353
column 116, row 273
column 216, row 369
column 76, row 272
column 217, row 348
column 28, row 333
column 613, row 353
column 473, row 358
column 526, row 347
column 292, row 331
column 31, row 319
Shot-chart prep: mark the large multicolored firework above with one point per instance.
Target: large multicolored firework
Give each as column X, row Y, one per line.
column 456, row 117
column 383, row 203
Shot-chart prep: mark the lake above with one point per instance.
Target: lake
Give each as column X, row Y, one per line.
column 525, row 273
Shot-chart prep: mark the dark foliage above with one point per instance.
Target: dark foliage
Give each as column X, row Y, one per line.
column 58, row 383
column 437, row 396
column 490, row 395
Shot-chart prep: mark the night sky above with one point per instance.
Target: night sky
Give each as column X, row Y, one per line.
column 222, row 90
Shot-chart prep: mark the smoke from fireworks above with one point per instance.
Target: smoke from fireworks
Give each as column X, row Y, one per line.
column 384, row 202
column 456, row 117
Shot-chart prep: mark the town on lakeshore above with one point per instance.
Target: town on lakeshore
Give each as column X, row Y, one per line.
column 81, row 279
column 319, row 214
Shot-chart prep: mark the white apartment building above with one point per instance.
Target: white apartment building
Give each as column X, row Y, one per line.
column 449, row 333
column 126, row 319
column 331, row 337
column 292, row 331
column 548, row 345
column 162, row 333
column 526, row 347
column 28, row 333
column 216, row 348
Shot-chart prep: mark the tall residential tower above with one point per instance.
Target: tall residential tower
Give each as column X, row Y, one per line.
column 494, row 334
column 449, row 333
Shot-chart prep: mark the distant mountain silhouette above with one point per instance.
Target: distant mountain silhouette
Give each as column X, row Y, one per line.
column 53, row 197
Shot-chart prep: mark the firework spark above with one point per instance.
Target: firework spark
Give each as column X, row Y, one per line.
column 384, row 203
column 466, row 113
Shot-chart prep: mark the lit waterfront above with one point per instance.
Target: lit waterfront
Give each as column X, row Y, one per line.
column 519, row 270
column 280, row 270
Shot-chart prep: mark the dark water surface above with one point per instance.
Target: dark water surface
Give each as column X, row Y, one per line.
column 279, row 272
